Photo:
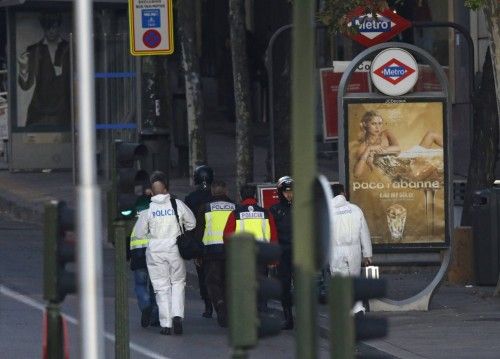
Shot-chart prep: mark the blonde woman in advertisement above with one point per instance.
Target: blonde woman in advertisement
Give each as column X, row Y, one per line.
column 373, row 139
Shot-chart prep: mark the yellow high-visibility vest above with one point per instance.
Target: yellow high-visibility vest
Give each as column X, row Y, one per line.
column 215, row 220
column 136, row 242
column 255, row 222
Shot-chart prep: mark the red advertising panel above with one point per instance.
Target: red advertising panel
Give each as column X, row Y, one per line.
column 427, row 79
column 267, row 195
column 330, row 79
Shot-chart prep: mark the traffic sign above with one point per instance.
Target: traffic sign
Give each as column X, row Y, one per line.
column 372, row 30
column 151, row 27
column 394, row 71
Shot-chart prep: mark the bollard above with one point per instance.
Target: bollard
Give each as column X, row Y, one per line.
column 122, row 349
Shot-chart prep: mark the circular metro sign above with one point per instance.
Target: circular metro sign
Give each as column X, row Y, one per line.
column 151, row 38
column 394, row 71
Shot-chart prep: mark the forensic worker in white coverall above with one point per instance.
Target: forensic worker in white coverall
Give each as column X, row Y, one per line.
column 350, row 243
column 166, row 267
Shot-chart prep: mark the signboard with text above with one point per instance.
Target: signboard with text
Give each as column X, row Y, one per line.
column 151, row 27
column 396, row 169
column 329, row 81
column 370, row 30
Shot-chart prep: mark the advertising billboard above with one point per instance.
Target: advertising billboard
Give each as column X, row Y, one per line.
column 43, row 93
column 396, row 169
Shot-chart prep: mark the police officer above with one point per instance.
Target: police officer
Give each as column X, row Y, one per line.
column 165, row 264
column 282, row 213
column 142, row 285
column 203, row 178
column 210, row 224
column 251, row 218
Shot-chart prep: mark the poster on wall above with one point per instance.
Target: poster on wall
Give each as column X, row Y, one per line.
column 329, row 82
column 43, row 101
column 396, row 170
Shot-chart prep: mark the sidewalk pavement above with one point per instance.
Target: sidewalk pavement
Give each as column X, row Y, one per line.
column 463, row 322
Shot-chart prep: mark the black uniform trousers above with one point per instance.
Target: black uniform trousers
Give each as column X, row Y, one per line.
column 285, row 268
column 200, row 270
column 215, row 280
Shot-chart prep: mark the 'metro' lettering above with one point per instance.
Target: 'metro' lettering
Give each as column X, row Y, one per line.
column 368, row 24
column 393, row 71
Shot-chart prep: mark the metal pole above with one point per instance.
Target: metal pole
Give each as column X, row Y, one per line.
column 270, row 77
column 122, row 349
column 470, row 54
column 54, row 332
column 239, row 353
column 340, row 294
column 304, row 170
column 89, row 227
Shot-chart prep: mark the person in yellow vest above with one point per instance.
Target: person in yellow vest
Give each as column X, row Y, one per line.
column 251, row 218
column 142, row 285
column 211, row 220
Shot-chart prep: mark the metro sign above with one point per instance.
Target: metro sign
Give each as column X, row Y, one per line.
column 394, row 71
column 372, row 30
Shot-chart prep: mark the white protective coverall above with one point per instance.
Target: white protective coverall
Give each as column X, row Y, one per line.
column 350, row 240
column 165, row 265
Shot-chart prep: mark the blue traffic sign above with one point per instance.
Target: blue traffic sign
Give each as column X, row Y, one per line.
column 150, row 18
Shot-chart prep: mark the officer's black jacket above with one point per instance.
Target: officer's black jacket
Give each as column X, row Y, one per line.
column 282, row 213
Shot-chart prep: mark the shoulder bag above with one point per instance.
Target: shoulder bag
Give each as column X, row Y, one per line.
column 189, row 246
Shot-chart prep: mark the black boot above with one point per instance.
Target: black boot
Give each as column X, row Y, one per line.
column 208, row 309
column 221, row 314
column 177, row 325
column 146, row 317
column 165, row 331
column 288, row 324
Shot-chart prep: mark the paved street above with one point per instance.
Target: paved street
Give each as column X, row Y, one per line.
column 21, row 305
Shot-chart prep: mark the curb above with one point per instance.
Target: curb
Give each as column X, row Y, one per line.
column 16, row 211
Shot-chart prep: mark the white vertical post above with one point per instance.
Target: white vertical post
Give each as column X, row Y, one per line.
column 89, row 205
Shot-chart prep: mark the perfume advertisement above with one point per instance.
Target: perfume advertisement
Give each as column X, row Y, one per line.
column 396, row 170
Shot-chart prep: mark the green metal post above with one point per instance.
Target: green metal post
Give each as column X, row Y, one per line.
column 54, row 332
column 54, row 325
column 111, row 197
column 304, row 171
column 239, row 353
column 241, row 272
column 50, row 251
column 340, row 295
column 122, row 349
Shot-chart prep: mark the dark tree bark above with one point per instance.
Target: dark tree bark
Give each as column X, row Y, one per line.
column 485, row 138
column 244, row 143
column 186, row 28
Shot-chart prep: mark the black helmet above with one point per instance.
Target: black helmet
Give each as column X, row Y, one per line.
column 203, row 175
column 285, row 183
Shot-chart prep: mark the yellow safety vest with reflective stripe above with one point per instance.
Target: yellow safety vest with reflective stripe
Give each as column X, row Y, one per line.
column 136, row 242
column 216, row 216
column 254, row 222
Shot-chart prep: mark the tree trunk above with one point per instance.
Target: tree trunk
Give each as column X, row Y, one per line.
column 244, row 143
column 484, row 139
column 492, row 14
column 186, row 28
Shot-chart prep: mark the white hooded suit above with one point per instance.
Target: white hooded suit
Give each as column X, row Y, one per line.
column 350, row 239
column 165, row 265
